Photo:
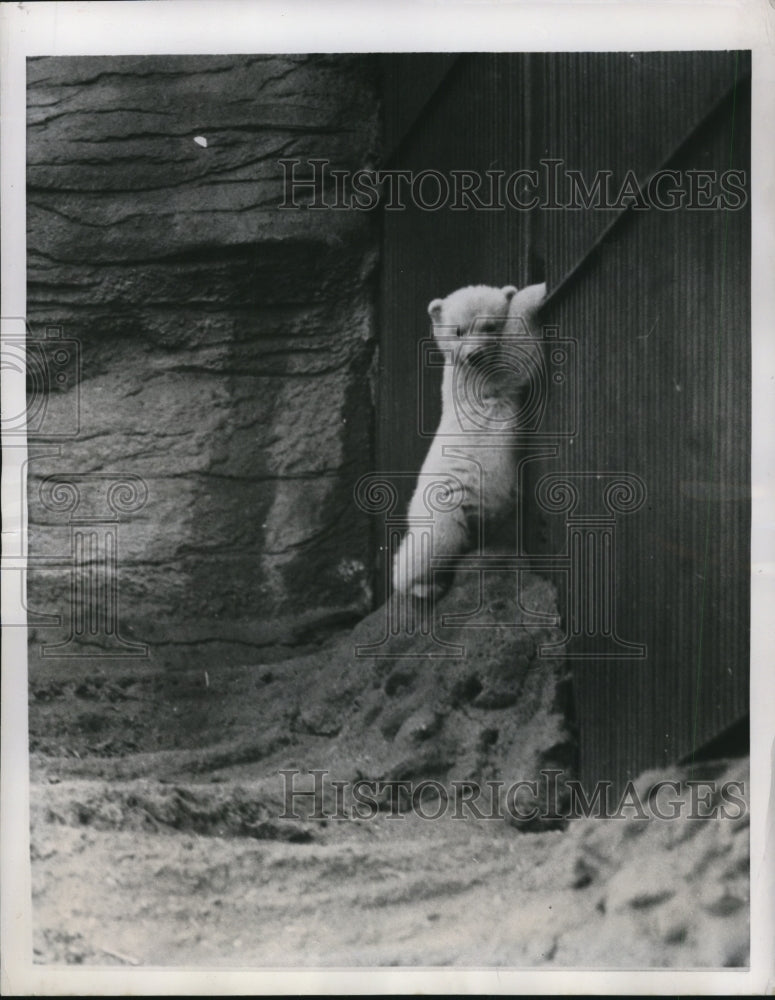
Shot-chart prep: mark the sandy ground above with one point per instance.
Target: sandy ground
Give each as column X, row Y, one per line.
column 165, row 847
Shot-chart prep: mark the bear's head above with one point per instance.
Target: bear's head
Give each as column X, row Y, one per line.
column 477, row 309
column 491, row 358
column 479, row 316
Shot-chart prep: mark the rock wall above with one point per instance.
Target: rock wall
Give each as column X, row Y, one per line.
column 225, row 347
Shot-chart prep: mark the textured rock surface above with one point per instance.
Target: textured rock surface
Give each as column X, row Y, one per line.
column 225, row 344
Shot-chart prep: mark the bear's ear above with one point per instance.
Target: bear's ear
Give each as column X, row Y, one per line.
column 434, row 310
column 509, row 291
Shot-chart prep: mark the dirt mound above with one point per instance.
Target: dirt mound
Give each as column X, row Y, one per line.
column 431, row 698
column 161, row 832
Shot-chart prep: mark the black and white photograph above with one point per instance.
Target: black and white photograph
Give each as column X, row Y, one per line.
column 384, row 478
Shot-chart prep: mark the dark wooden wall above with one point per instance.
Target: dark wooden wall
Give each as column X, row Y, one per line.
column 658, row 303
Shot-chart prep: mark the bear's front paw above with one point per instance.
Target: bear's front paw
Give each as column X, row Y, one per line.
column 412, row 573
column 424, row 591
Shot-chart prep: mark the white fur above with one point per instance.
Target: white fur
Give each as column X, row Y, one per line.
column 481, row 474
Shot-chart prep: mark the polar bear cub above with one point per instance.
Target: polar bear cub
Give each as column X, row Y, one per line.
column 471, row 464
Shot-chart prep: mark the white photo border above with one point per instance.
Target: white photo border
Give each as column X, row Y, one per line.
column 270, row 26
